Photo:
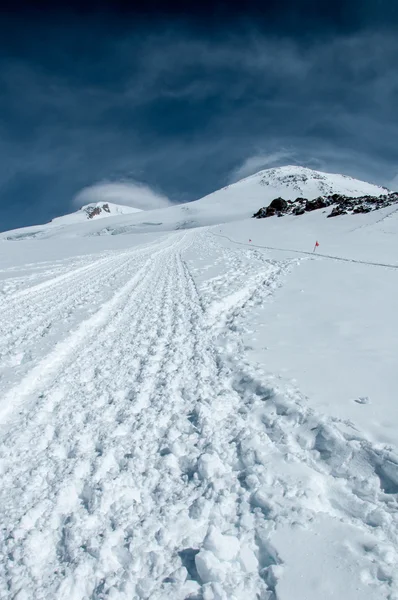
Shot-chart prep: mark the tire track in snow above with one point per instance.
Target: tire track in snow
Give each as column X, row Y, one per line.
column 124, row 324
column 154, row 462
column 17, row 279
column 134, row 264
column 109, row 497
column 38, row 317
column 32, row 319
column 35, row 292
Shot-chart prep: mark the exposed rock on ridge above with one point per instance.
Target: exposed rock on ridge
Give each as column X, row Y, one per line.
column 342, row 205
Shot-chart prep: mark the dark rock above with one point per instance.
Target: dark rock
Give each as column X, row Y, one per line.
column 341, row 205
column 93, row 212
column 264, row 212
column 336, row 197
column 270, row 211
column 279, row 204
column 260, row 214
column 361, row 209
column 320, row 202
column 337, row 210
column 299, row 210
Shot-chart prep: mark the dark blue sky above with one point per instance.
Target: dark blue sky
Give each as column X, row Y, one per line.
column 187, row 100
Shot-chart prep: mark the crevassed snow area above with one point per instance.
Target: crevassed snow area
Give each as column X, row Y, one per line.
column 198, row 416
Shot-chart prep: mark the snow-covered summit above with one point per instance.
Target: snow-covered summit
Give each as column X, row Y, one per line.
column 95, row 210
column 241, row 199
column 292, row 181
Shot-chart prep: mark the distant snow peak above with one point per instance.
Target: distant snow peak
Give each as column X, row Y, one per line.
column 97, row 209
column 93, row 211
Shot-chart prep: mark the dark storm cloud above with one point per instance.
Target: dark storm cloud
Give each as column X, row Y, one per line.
column 286, row 15
column 186, row 108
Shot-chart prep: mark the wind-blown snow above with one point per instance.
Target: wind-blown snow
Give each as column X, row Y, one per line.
column 195, row 415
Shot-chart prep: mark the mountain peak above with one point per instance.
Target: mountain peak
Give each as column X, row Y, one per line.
column 296, row 180
column 95, row 210
column 104, row 209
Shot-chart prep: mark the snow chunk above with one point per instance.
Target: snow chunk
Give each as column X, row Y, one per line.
column 213, row 562
column 225, row 547
column 209, row 466
column 248, row 559
column 209, row 567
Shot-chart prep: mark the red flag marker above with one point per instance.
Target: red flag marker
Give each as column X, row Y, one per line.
column 316, row 245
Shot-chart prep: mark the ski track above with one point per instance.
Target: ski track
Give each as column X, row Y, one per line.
column 36, row 317
column 144, row 457
column 14, row 279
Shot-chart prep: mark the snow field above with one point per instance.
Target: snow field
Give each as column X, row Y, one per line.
column 145, row 453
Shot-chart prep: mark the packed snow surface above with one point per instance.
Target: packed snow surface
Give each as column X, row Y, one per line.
column 205, row 414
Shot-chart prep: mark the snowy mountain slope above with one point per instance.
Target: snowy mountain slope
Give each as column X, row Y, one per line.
column 75, row 224
column 197, row 415
column 240, row 200
column 237, row 201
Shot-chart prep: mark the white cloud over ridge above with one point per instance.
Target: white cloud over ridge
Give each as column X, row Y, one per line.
column 137, row 195
column 258, row 162
column 190, row 114
column 394, row 184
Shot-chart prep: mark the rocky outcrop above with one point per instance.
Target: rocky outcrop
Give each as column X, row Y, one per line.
column 344, row 205
column 319, row 202
column 264, row 212
column 93, row 211
column 279, row 205
column 341, row 205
